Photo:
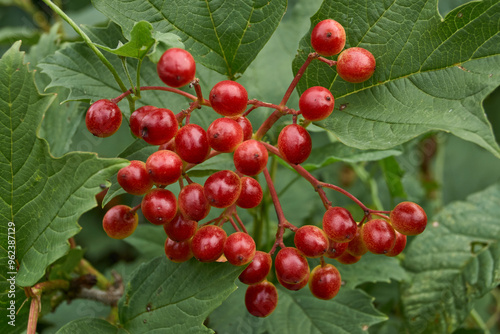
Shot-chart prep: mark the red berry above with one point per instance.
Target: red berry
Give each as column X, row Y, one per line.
column 357, row 246
column 291, row 265
column 136, row 119
column 178, row 251
column 119, row 222
column 176, row 67
column 193, row 203
column 335, row 249
column 164, row 167
column 239, row 248
column 208, row 243
column 378, row 236
column 294, row 287
column 191, row 143
column 355, row 65
column 261, row 299
column 294, row 144
column 316, row 103
column 159, row 206
column 246, row 125
column 311, row 241
column 103, row 118
column 399, row 246
column 180, row 228
column 169, row 146
column 348, row 258
column 328, row 37
column 250, row 158
column 339, row 225
column 222, row 188
column 258, row 269
column 224, row 134
column 158, row 126
column 408, row 218
column 134, row 178
column 325, row 282
column 228, row 98
column 251, row 193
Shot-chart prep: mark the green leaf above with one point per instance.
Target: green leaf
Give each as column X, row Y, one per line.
column 453, row 263
column 41, row 195
column 149, row 240
column 169, row 297
column 431, row 74
column 10, row 34
column 141, row 41
column 87, row 325
column 212, row 165
column 65, row 265
column 224, row 36
column 393, row 174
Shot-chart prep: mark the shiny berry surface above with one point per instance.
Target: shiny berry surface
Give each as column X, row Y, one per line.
column 180, row 228
column 335, row 249
column 134, row 178
column 103, row 118
column 339, row 225
column 207, row 243
column 191, row 143
column 261, row 299
column 158, row 126
column 311, row 241
column 258, row 269
column 328, row 37
column 294, row 144
column 355, row 65
column 119, row 222
column 164, row 167
column 408, row 218
column 291, row 265
column 159, row 206
column 246, row 125
column 296, row 286
column 325, row 281
column 357, row 246
column 316, row 103
column 239, row 248
column 176, row 67
column 136, row 119
column 399, row 246
column 378, row 236
column 222, row 188
column 228, row 98
column 192, row 202
column 251, row 193
column 250, row 158
column 348, row 258
column 178, row 251
column 224, row 134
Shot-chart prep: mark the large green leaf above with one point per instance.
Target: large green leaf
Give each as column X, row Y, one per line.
column 432, row 74
column 149, row 240
column 87, row 325
column 163, row 296
column 453, row 263
column 141, row 41
column 222, row 35
column 42, row 195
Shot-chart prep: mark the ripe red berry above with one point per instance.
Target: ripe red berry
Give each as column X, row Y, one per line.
column 119, row 222
column 325, row 282
column 316, row 103
column 228, row 98
column 224, row 134
column 408, row 218
column 136, row 119
column 164, row 167
column 159, row 206
column 328, row 37
column 251, row 193
column 258, row 269
column 193, row 203
column 261, row 299
column 158, row 126
column 134, row 178
column 291, row 265
column 347, row 258
column 335, row 249
column 311, row 241
column 357, row 246
column 103, row 118
column 180, row 228
column 294, row 287
column 222, row 188
column 176, row 67
column 178, row 251
column 208, row 243
column 191, row 143
column 250, row 158
column 399, row 246
column 246, row 125
column 339, row 225
column 239, row 248
column 378, row 236
column 355, row 65
column 294, row 144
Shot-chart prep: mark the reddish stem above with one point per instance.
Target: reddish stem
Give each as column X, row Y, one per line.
column 33, row 315
column 168, row 89
column 234, row 224
column 295, row 80
column 238, row 219
column 328, row 61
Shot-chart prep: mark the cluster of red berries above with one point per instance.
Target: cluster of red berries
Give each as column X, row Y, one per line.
column 341, row 238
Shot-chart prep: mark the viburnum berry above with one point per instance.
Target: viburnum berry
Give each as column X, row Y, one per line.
column 311, row 241
column 355, row 65
column 378, row 236
column 207, row 243
column 291, row 265
column 192, row 202
column 180, row 228
column 348, row 258
column 164, row 167
column 176, row 67
column 134, row 178
column 399, row 246
column 246, row 125
column 294, row 144
column 357, row 246
column 159, row 206
column 224, row 134
column 258, row 269
column 239, row 248
column 136, row 119
column 228, row 98
column 316, row 103
column 339, row 225
column 222, row 188
column 178, row 251
column 251, row 193
column 328, row 37
column 103, row 118
column 250, row 158
column 120, row 222
column 408, row 218
column 335, row 249
column 191, row 143
column 158, row 126
column 261, row 299
column 294, row 286
column 325, row 281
